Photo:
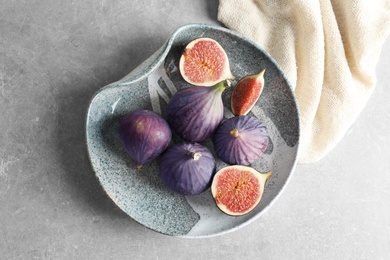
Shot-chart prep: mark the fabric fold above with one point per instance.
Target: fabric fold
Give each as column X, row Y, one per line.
column 328, row 50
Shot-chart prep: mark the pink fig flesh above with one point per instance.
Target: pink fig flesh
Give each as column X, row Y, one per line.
column 246, row 93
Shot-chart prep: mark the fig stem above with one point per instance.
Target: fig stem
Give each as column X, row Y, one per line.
column 234, row 132
column 266, row 175
column 222, row 85
column 261, row 74
column 139, row 167
column 195, row 155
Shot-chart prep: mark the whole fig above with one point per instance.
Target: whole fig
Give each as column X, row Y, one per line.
column 187, row 168
column 195, row 112
column 144, row 135
column 241, row 140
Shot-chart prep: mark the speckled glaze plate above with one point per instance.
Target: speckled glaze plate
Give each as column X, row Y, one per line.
column 141, row 194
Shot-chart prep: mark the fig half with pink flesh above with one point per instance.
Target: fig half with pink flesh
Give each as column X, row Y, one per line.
column 238, row 189
column 204, row 63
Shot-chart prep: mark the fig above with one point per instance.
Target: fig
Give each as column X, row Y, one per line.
column 240, row 140
column 204, row 63
column 238, row 189
column 194, row 113
column 144, row 135
column 246, row 93
column 187, row 168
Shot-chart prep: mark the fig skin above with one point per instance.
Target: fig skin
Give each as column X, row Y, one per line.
column 144, row 135
column 187, row 168
column 241, row 140
column 195, row 112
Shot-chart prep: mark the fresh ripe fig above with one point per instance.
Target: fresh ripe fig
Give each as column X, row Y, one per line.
column 238, row 189
column 195, row 112
column 144, row 135
column 204, row 63
column 187, row 168
column 240, row 140
column 246, row 93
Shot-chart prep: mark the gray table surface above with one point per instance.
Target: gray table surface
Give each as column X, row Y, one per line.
column 55, row 54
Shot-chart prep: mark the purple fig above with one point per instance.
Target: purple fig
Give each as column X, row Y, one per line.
column 195, row 112
column 187, row 168
column 241, row 140
column 144, row 135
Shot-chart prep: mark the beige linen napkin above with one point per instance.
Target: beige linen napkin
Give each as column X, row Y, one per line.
column 328, row 50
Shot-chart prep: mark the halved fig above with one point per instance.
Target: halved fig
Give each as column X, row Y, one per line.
column 204, row 63
column 246, row 93
column 237, row 189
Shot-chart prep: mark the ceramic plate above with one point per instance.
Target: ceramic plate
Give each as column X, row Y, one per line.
column 141, row 194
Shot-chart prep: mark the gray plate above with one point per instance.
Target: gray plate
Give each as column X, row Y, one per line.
column 141, row 194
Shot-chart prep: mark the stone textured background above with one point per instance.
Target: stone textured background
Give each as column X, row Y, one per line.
column 55, row 54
